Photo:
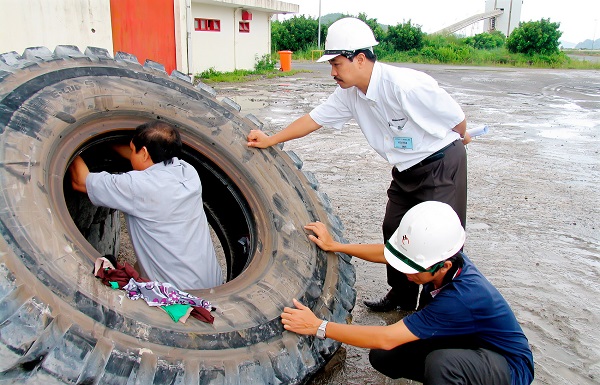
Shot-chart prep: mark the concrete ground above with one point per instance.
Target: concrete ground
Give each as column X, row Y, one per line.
column 533, row 224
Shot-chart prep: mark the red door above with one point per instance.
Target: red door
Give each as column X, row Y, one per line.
column 145, row 29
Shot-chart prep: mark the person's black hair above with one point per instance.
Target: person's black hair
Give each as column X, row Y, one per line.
column 370, row 55
column 161, row 139
column 457, row 263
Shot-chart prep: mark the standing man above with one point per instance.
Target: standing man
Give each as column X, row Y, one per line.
column 407, row 118
column 465, row 334
column 162, row 202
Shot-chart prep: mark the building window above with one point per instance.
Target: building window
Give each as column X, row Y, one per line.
column 246, row 15
column 207, row 25
column 244, row 27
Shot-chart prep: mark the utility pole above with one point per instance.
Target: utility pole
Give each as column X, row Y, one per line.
column 594, row 38
column 319, row 33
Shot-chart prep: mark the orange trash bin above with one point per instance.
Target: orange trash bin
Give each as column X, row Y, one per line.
column 285, row 58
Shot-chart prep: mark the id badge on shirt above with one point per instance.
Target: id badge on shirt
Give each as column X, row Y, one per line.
column 403, row 143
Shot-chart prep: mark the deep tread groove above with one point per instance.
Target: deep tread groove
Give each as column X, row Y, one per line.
column 296, row 159
column 146, row 370
column 259, row 125
column 232, row 104
column 206, row 88
column 68, row 51
column 38, row 53
column 97, row 53
column 127, row 57
column 149, row 64
column 95, row 364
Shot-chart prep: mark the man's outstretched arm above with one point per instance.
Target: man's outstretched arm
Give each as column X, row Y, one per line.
column 297, row 129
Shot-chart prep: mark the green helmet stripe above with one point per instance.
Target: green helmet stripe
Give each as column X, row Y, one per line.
column 403, row 258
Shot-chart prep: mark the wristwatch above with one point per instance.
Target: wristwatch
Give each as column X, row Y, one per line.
column 321, row 330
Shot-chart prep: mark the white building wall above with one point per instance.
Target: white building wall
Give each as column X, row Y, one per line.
column 34, row 23
column 249, row 47
column 229, row 49
column 213, row 48
column 182, row 12
column 509, row 20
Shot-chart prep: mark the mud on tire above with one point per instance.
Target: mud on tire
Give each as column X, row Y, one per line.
column 58, row 322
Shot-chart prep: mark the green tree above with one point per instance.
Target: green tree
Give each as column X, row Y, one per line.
column 541, row 37
column 295, row 34
column 378, row 31
column 405, row 36
column 486, row 40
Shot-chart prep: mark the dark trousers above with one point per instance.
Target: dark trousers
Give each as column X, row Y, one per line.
column 442, row 361
column 444, row 180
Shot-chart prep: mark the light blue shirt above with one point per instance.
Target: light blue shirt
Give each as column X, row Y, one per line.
column 405, row 115
column 166, row 221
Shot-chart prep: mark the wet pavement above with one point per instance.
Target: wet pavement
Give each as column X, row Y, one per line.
column 533, row 224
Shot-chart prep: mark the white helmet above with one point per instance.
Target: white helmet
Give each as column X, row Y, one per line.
column 429, row 233
column 346, row 36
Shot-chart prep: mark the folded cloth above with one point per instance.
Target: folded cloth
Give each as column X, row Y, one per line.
column 202, row 314
column 178, row 312
column 111, row 271
column 121, row 273
column 162, row 293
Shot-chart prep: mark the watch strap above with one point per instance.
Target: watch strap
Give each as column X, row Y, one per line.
column 321, row 330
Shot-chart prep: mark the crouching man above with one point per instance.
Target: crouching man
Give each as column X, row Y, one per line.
column 465, row 334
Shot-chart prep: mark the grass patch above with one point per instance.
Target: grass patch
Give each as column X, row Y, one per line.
column 239, row 76
column 454, row 51
column 263, row 69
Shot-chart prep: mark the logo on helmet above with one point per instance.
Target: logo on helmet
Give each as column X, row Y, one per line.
column 405, row 238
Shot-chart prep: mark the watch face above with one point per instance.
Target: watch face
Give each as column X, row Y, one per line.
column 321, row 330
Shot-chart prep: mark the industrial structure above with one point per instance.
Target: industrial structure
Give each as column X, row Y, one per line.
column 499, row 15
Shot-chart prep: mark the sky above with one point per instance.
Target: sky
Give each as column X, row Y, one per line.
column 579, row 19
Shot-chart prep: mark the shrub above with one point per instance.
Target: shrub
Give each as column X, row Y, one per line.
column 378, row 31
column 404, row 37
column 541, row 37
column 295, row 34
column 486, row 40
column 265, row 63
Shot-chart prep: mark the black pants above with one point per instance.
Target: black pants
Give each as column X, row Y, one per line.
column 434, row 361
column 444, row 180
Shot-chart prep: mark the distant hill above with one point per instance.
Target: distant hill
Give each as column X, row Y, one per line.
column 567, row 44
column 330, row 18
column 587, row 44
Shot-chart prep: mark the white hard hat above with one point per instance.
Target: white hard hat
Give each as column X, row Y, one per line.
column 429, row 233
column 346, row 36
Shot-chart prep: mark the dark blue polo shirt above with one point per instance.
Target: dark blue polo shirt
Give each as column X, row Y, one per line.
column 471, row 306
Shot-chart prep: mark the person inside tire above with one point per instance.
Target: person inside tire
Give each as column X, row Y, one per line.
column 465, row 334
column 162, row 202
column 407, row 118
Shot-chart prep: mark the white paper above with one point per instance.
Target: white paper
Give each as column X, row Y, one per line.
column 475, row 132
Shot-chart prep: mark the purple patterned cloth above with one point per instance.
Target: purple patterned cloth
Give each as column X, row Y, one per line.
column 162, row 293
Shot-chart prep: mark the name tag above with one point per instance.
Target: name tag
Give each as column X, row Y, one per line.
column 403, row 143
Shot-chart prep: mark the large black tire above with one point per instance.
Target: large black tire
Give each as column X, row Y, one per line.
column 57, row 321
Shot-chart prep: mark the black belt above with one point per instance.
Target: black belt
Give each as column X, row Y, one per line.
column 439, row 154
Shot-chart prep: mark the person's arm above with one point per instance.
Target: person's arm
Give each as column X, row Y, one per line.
column 123, row 149
column 297, row 129
column 302, row 320
column 461, row 129
column 322, row 238
column 79, row 172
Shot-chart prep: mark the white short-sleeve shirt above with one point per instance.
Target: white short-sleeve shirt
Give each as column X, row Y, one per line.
column 166, row 221
column 405, row 115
